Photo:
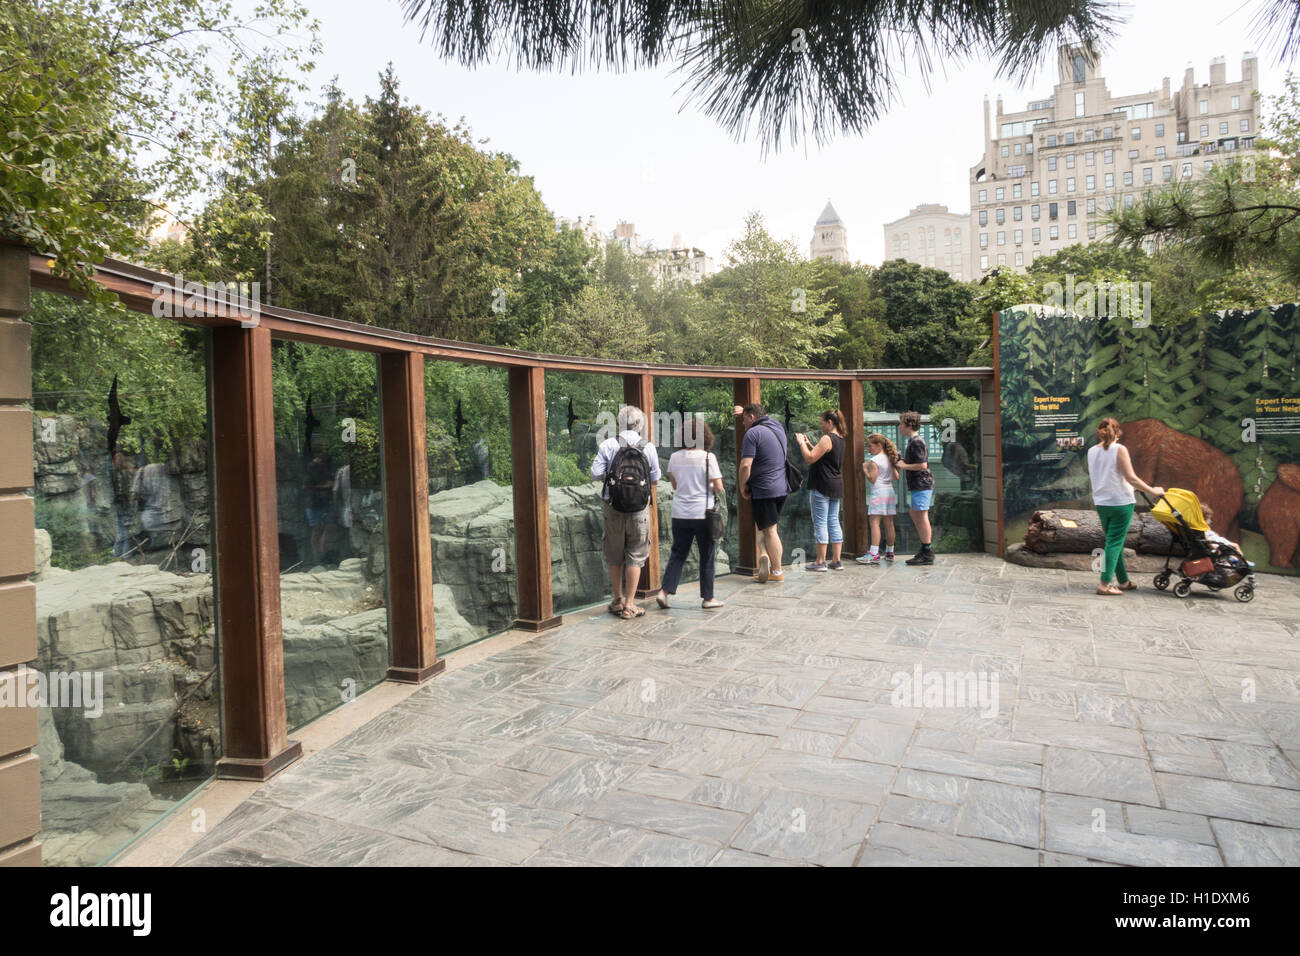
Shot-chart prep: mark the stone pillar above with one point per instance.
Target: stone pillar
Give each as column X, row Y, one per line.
column 745, row 391
column 255, row 740
column 531, row 498
column 20, row 775
column 414, row 650
column 857, row 534
column 639, row 390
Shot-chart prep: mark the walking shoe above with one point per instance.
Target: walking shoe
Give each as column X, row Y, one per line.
column 889, row 556
column 710, row 604
column 818, row 566
column 836, row 566
column 873, row 560
column 776, row 577
column 764, row 569
column 925, row 557
column 863, row 559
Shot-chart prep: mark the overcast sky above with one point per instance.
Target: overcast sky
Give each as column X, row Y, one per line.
column 620, row 147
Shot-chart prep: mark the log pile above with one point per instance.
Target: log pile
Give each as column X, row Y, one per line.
column 1079, row 532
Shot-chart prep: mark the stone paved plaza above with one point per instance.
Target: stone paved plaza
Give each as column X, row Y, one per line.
column 1140, row 729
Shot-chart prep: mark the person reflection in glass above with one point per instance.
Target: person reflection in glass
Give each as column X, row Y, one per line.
column 123, row 501
column 318, row 489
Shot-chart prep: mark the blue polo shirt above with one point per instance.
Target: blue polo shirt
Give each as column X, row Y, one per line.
column 765, row 442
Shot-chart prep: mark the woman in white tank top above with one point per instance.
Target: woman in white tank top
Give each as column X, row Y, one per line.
column 1113, row 480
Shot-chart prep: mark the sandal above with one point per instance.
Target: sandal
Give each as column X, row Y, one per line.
column 1108, row 589
column 631, row 611
column 1128, row 586
column 615, row 608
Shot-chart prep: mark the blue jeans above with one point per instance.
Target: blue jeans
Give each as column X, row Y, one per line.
column 826, row 518
column 685, row 532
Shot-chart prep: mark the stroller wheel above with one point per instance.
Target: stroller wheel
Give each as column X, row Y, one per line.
column 1244, row 593
column 1161, row 581
column 1183, row 588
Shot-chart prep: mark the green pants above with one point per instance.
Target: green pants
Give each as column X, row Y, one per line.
column 1115, row 520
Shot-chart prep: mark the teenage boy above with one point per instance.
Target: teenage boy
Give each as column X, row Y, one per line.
column 920, row 483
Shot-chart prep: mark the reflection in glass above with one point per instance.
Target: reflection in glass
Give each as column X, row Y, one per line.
column 126, row 661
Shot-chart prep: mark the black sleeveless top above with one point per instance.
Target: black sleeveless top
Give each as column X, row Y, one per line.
column 825, row 476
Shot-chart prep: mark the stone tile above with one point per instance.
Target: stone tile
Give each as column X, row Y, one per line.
column 1248, row 844
column 710, row 752
column 877, row 742
column 998, row 769
column 659, row 849
column 510, row 834
column 1102, row 775
column 810, row 742
column 798, row 826
column 576, row 789
column 727, row 795
column 1249, row 763
column 824, row 776
column 931, row 786
column 923, row 814
column 657, row 782
column 1001, row 812
column 893, row 845
column 687, row 820
column 737, row 858
column 751, row 718
column 596, row 842
column 1152, row 821
column 1116, row 846
column 597, row 744
column 1228, row 800
column 1080, row 736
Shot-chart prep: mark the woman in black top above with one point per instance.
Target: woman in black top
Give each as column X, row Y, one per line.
column 826, row 488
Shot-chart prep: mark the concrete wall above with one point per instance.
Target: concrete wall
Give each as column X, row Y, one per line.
column 20, row 779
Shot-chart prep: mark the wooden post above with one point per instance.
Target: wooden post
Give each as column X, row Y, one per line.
column 532, row 508
column 639, row 390
column 857, row 534
column 414, row 650
column 995, row 541
column 255, row 742
column 746, row 391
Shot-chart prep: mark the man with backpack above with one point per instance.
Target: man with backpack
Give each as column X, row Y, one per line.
column 629, row 468
column 763, row 480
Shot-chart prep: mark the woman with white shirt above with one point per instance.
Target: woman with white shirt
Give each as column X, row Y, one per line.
column 1113, row 479
column 697, row 482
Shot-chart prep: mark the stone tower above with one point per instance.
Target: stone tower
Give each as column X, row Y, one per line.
column 830, row 239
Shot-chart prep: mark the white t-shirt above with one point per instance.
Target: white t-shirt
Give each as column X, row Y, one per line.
column 884, row 471
column 1108, row 485
column 687, row 468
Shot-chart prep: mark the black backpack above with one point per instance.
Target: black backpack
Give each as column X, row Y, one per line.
column 628, row 478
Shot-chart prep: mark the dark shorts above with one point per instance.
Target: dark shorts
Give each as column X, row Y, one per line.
column 766, row 511
column 319, row 516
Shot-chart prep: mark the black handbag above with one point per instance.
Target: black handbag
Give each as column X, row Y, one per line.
column 717, row 527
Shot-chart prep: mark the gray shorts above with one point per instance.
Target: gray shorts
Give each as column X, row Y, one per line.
column 627, row 537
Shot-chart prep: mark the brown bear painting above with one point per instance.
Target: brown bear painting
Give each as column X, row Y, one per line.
column 1167, row 457
column 1279, row 516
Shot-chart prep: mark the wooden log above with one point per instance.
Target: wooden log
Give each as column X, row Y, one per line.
column 1079, row 532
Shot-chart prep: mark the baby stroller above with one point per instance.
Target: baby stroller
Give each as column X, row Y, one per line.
column 1179, row 510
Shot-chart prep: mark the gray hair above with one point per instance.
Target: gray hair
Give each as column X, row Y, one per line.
column 631, row 419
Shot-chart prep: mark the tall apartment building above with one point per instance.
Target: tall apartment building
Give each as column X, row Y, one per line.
column 1051, row 173
column 932, row 236
column 830, row 237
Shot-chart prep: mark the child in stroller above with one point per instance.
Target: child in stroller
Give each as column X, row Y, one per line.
column 1211, row 559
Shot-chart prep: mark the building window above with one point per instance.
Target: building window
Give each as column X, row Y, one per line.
column 1110, row 180
column 1029, row 148
column 984, row 195
column 1037, row 234
column 1223, row 129
column 1160, row 130
column 1128, row 177
column 1002, row 216
column 1205, row 131
column 1015, row 171
column 1167, row 172
column 1017, row 148
column 1016, row 191
column 1080, row 105
column 984, row 240
column 984, row 263
column 1132, row 155
column 1110, row 203
column 1006, row 151
column 1052, row 210
column 1108, row 157
column 984, row 217
column 1072, row 231
column 1020, row 258
column 1018, row 213
column 1092, row 207
column 1182, row 136
column 1187, row 170
column 1069, row 139
column 1147, row 174
column 1136, row 132
column 1002, row 238
column 1092, row 230
column 1051, row 164
column 1107, row 132
column 1051, row 139
column 1069, row 161
column 1090, row 159
column 1236, row 102
column 1071, row 207
column 1033, row 189
column 1002, row 258
column 1053, row 232
column 1128, row 200
column 1160, row 152
column 1205, row 107
column 1001, row 193
column 1090, row 183
column 1245, row 126
column 1019, row 236
column 1209, row 164
column 1080, row 66
column 1051, row 187
column 1034, row 212
column 1069, row 184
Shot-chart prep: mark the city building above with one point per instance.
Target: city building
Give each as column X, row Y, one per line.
column 1051, row 173
column 830, row 239
column 588, row 228
column 931, row 236
column 681, row 263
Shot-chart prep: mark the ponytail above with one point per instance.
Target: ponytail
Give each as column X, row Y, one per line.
column 1107, row 432
column 836, row 419
column 891, row 452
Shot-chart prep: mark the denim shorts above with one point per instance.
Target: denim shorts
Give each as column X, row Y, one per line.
column 919, row 500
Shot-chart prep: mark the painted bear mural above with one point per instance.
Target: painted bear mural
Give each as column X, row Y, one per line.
column 1279, row 516
column 1167, row 457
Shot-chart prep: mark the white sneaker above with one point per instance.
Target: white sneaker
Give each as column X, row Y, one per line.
column 764, row 568
column 710, row 604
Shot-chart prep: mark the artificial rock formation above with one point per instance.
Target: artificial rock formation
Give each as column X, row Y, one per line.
column 1279, row 516
column 1164, row 456
column 1068, row 531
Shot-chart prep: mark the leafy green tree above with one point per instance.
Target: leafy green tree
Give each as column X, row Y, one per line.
column 602, row 322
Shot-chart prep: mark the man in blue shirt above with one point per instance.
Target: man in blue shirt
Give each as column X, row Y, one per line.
column 762, row 480
column 627, row 534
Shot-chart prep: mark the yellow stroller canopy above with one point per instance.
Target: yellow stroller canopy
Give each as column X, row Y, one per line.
column 1186, row 504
